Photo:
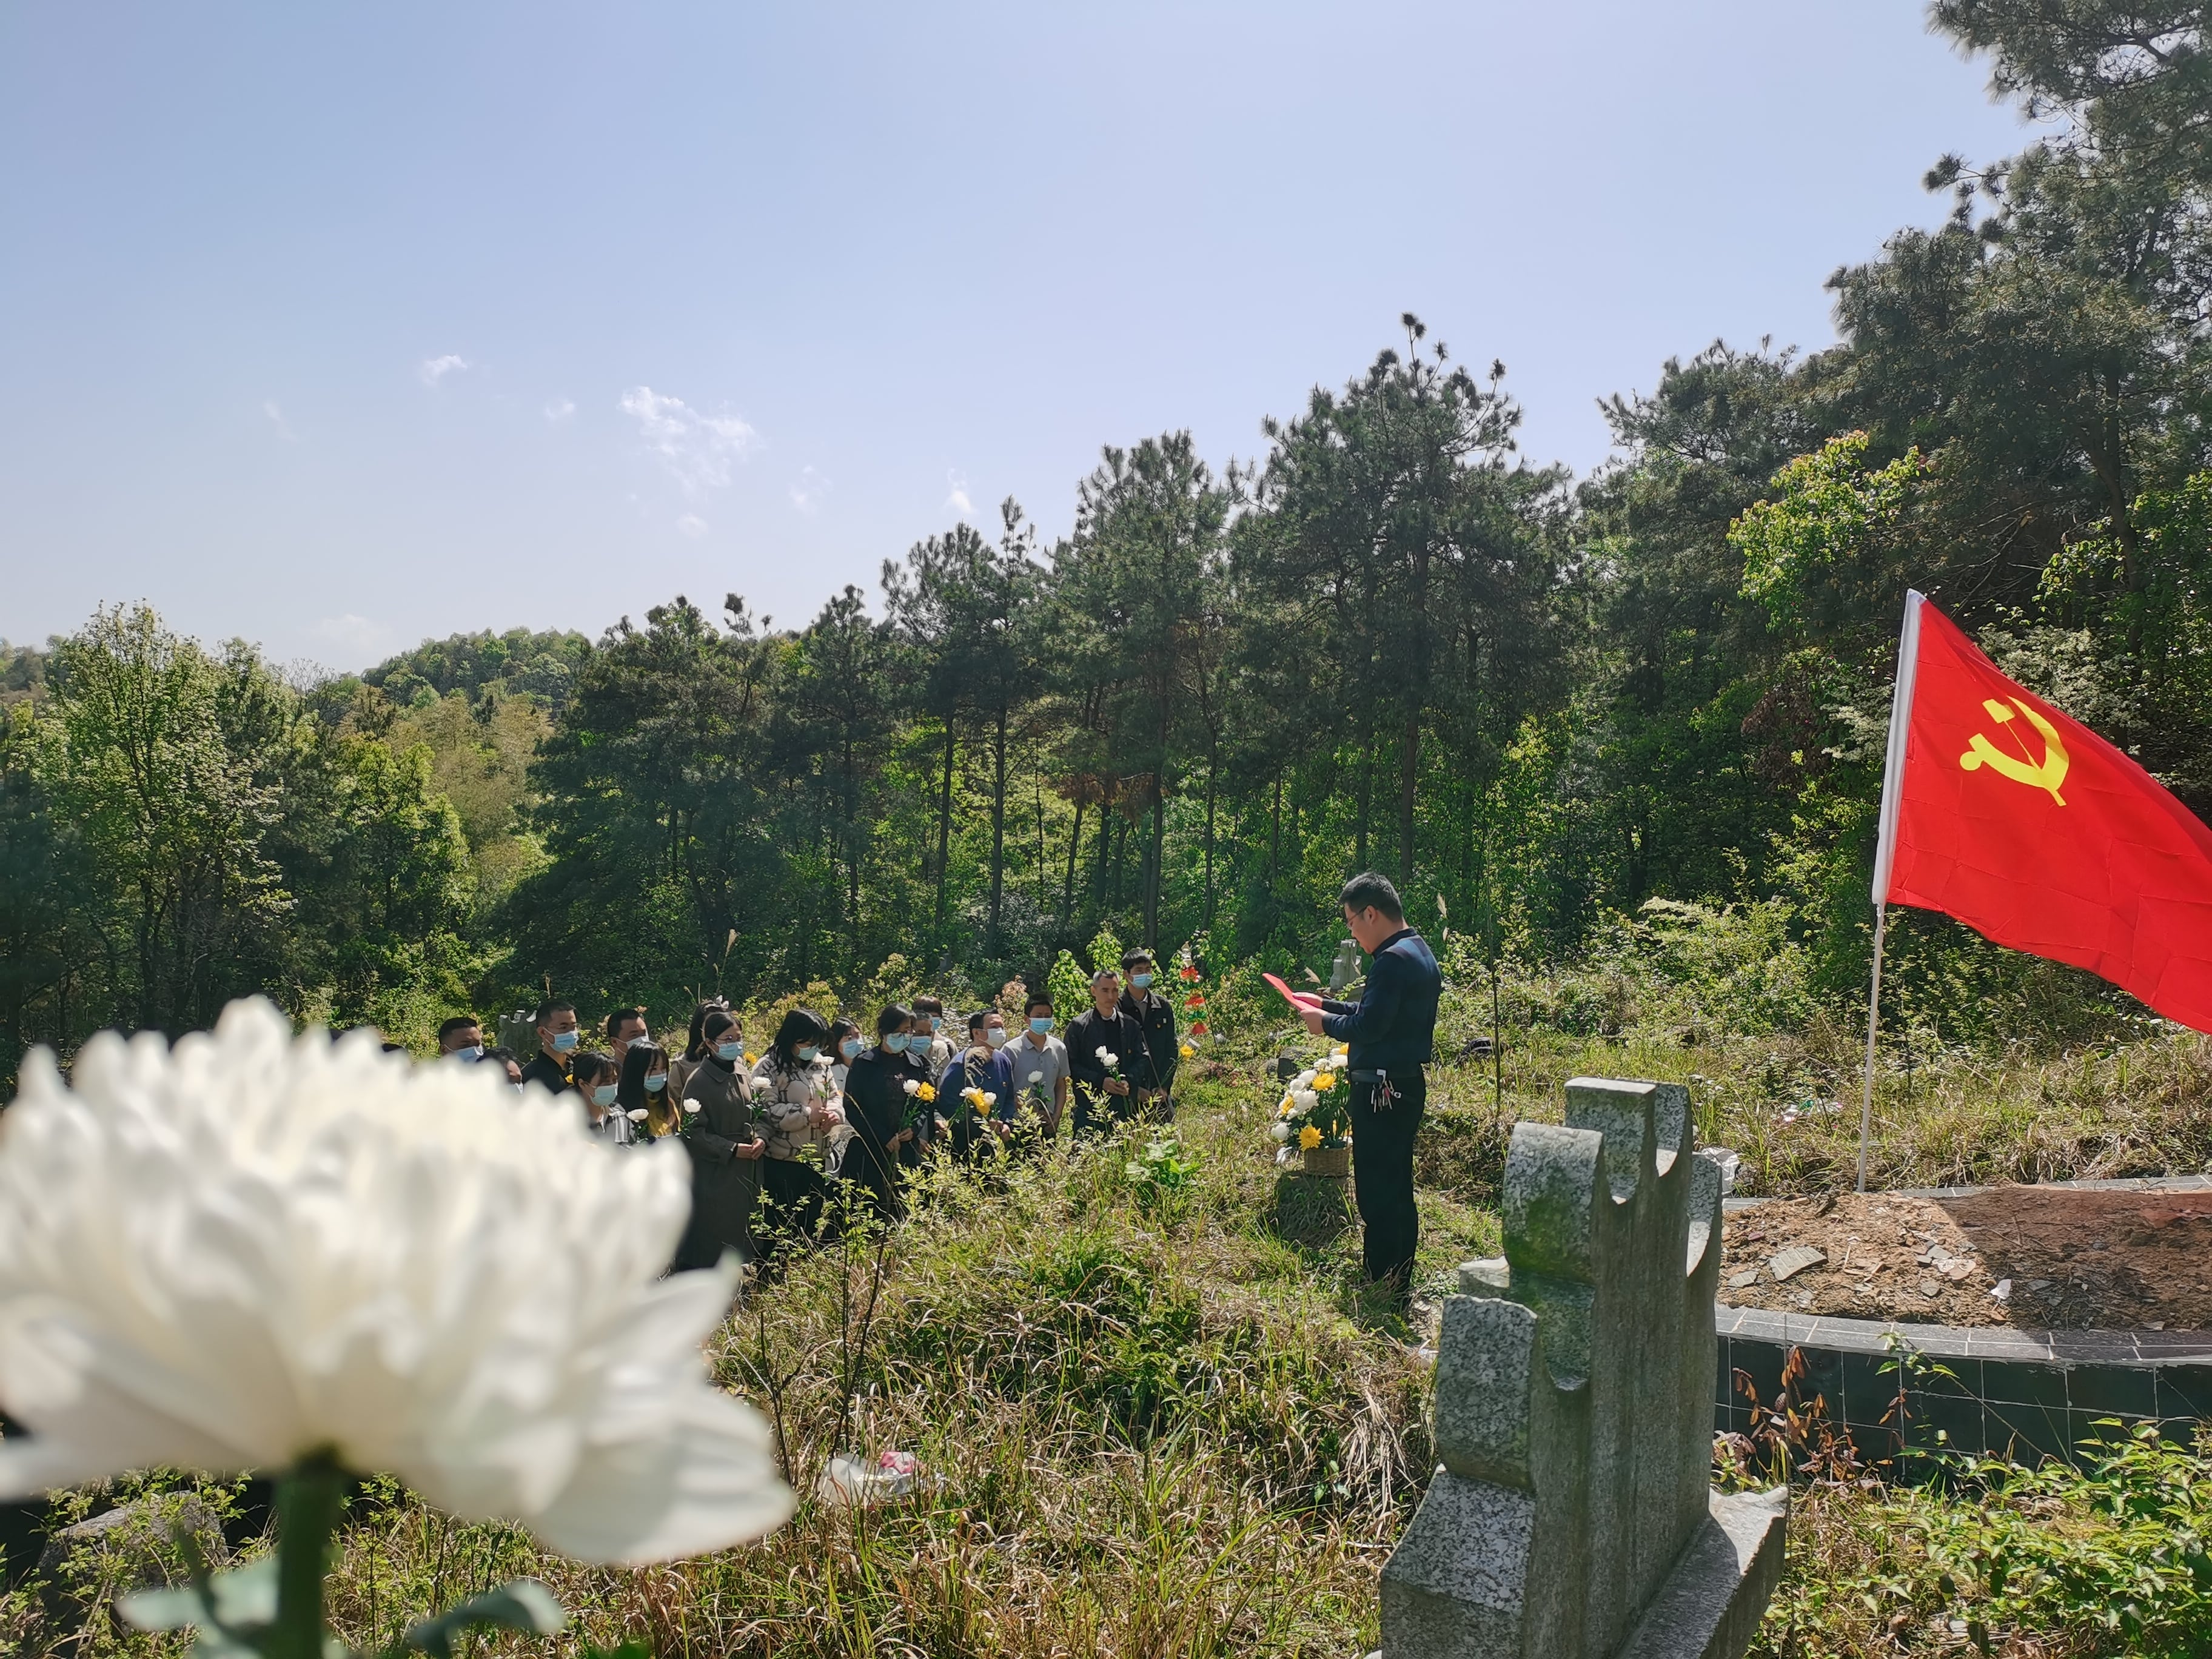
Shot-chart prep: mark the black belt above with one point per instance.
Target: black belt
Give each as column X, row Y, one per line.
column 1368, row 1077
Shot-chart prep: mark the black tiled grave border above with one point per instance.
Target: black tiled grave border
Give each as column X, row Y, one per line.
column 2026, row 1394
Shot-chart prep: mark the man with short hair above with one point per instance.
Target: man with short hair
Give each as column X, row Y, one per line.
column 557, row 1034
column 980, row 1065
column 1105, row 1053
column 1039, row 1054
column 461, row 1038
column 1156, row 1024
column 624, row 1027
column 1391, row 1031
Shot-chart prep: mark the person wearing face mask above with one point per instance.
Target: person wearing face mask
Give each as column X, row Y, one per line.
column 1038, row 1062
column 726, row 1148
column 557, row 1036
column 695, row 1047
column 791, row 1098
column 598, row 1080
column 642, row 1095
column 461, row 1038
column 1154, row 1017
column 935, row 1051
column 625, row 1026
column 981, row 1065
column 881, row 1112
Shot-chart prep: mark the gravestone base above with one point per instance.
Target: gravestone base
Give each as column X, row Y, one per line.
column 1311, row 1210
column 1711, row 1605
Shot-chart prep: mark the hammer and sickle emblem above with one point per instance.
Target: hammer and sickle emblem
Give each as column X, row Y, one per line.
column 2048, row 773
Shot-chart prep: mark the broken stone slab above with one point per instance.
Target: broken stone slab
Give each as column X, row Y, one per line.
column 131, row 1546
column 1794, row 1259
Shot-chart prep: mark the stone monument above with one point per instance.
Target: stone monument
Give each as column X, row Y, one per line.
column 1574, row 1516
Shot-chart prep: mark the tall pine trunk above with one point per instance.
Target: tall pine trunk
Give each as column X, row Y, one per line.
column 944, row 828
column 1409, row 772
column 998, row 826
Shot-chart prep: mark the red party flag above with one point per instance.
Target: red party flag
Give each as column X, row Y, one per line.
column 2023, row 823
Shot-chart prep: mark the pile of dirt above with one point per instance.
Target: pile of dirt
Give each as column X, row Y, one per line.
column 2040, row 1258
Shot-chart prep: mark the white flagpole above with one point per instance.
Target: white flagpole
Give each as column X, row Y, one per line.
column 1885, row 851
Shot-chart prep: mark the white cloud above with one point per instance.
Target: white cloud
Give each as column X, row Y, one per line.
column 559, row 409
column 432, row 370
column 356, row 639
column 274, row 411
column 808, row 491
column 957, row 501
column 698, row 450
column 692, row 526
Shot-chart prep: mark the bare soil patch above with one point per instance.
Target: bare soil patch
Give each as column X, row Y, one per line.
column 2064, row 1260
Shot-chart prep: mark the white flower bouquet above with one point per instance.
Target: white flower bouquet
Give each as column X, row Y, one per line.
column 1314, row 1112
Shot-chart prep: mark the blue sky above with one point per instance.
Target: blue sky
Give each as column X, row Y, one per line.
column 339, row 325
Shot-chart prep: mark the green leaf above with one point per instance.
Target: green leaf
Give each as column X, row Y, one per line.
column 228, row 1608
column 524, row 1605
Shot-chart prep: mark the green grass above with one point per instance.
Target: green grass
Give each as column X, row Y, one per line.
column 1155, row 1430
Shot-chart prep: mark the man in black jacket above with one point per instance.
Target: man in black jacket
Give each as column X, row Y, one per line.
column 1391, row 1031
column 1155, row 1018
column 556, row 1046
column 1104, row 1092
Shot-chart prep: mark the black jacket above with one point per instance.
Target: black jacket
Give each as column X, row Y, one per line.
column 1393, row 1026
column 1117, row 1034
column 1153, row 1016
column 545, row 1071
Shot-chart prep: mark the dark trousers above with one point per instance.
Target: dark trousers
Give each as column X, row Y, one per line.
column 1098, row 1114
column 792, row 1193
column 1382, row 1178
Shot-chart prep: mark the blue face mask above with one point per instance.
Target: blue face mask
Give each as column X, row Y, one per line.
column 655, row 1082
column 1141, row 980
column 563, row 1041
column 850, row 1048
column 895, row 1043
column 603, row 1094
column 730, row 1050
column 465, row 1054
column 1041, row 1024
column 804, row 1053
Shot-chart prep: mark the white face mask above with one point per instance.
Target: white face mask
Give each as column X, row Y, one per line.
column 996, row 1036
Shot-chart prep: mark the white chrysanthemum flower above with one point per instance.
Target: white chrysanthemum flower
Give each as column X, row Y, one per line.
column 253, row 1247
column 1304, row 1079
column 1304, row 1099
column 1280, row 1131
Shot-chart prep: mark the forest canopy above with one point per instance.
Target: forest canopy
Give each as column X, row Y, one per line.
column 1390, row 640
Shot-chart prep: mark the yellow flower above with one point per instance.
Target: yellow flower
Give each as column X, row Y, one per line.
column 1189, row 1053
column 974, row 1097
column 1324, row 1083
column 1310, row 1137
column 753, row 1059
column 925, row 1093
column 1284, row 1110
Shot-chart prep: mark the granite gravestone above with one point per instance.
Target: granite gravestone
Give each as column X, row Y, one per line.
column 1574, row 1518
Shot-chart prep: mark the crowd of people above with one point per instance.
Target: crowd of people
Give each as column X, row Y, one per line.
column 826, row 1120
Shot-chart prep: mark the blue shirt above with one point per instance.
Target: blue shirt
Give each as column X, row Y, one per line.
column 1393, row 1026
column 994, row 1076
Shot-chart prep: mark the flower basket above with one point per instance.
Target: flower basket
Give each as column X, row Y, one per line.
column 1335, row 1162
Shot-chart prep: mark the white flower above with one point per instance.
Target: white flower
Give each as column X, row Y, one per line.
column 234, row 1253
column 1304, row 1079
column 637, row 1113
column 912, row 1086
column 1280, row 1131
column 1037, row 1077
column 1304, row 1099
column 990, row 1099
column 690, row 1105
column 1106, row 1058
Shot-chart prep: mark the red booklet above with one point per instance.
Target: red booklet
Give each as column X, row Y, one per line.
column 1295, row 999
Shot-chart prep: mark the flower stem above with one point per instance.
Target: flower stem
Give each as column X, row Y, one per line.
column 307, row 1498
